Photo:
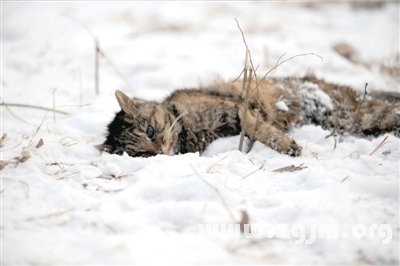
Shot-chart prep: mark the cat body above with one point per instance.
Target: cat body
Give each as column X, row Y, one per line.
column 190, row 119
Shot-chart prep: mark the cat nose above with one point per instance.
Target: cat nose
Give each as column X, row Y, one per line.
column 166, row 149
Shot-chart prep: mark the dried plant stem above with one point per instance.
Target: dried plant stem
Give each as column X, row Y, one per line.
column 248, row 72
column 278, row 62
column 362, row 100
column 80, row 88
column 33, row 107
column 245, row 110
column 54, row 105
column 218, row 193
column 113, row 66
column 255, row 171
column 13, row 114
column 379, row 146
column 96, row 66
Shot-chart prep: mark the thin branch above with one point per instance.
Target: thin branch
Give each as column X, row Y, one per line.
column 365, row 92
column 82, row 25
column 240, row 75
column 247, row 47
column 288, row 59
column 362, row 100
column 33, row 107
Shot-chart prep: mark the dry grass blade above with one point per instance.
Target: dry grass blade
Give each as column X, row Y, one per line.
column 249, row 66
column 218, row 193
column 40, row 143
column 25, row 156
column 13, row 114
column 54, row 105
column 2, row 139
column 379, row 145
column 33, row 107
column 255, row 171
column 214, row 164
column 245, row 220
column 278, row 62
column 344, row 179
column 4, row 163
column 49, row 215
column 290, row 168
column 96, row 66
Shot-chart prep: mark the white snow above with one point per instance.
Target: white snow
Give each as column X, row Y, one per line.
column 69, row 204
column 281, row 105
column 312, row 94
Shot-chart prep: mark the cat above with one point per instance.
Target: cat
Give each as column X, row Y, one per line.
column 190, row 119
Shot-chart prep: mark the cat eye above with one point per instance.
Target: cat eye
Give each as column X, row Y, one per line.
column 150, row 132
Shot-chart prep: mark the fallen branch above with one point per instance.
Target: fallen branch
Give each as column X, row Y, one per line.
column 33, row 107
column 290, row 168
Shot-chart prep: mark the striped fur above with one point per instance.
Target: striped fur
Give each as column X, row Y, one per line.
column 190, row 119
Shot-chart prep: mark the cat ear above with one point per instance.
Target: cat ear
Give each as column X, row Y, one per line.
column 127, row 104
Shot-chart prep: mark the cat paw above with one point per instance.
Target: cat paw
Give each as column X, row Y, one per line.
column 293, row 149
column 285, row 145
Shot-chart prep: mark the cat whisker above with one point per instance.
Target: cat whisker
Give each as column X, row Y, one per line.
column 167, row 136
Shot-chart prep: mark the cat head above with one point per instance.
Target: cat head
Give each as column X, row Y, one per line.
column 142, row 129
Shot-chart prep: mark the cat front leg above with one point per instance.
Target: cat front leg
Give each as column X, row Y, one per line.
column 275, row 139
column 267, row 134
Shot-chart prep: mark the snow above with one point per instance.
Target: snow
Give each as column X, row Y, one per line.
column 312, row 92
column 69, row 204
column 281, row 105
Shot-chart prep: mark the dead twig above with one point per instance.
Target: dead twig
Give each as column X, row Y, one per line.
column 15, row 146
column 113, row 66
column 54, row 105
column 38, row 128
column 25, row 155
column 255, row 171
column 290, row 168
column 33, row 107
column 245, row 220
column 362, row 100
column 247, row 73
column 49, row 215
column 214, row 164
column 278, row 62
column 40, row 143
column 3, row 138
column 13, row 114
column 379, row 146
column 217, row 192
column 344, row 179
column 96, row 66
column 249, row 66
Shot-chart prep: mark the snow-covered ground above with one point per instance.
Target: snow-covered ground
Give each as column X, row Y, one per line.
column 68, row 204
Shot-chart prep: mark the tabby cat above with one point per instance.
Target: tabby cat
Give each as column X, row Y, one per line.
column 190, row 119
